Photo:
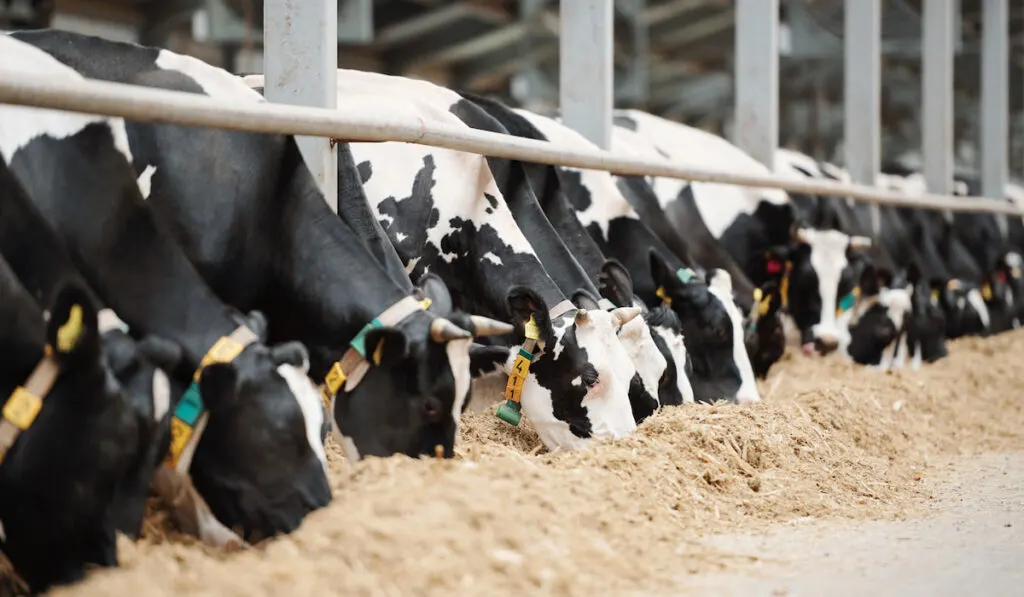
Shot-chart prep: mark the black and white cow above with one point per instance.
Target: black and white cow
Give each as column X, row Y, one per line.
column 658, row 354
column 710, row 320
column 445, row 214
column 270, row 242
column 260, row 463
column 63, row 478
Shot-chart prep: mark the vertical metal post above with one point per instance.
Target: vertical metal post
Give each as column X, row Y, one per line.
column 586, row 68
column 995, row 94
column 300, row 41
column 937, row 95
column 862, row 106
column 757, row 79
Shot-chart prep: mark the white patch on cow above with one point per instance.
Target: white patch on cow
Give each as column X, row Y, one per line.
column 828, row 259
column 978, row 303
column 896, row 302
column 399, row 236
column 214, row 81
column 20, row 125
column 648, row 361
column 145, row 181
column 1013, row 259
column 720, row 286
column 411, row 265
column 577, row 381
column 719, row 205
column 107, row 321
column 309, row 403
column 161, row 395
column 677, row 348
column 458, row 360
column 606, row 200
column 915, row 359
column 489, row 256
column 608, row 407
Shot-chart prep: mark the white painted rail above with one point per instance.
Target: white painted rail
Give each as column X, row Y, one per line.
column 173, row 107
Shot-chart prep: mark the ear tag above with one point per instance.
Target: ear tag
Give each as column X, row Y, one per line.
column 847, row 301
column 763, row 306
column 758, row 294
column 986, row 291
column 935, row 296
column 425, row 303
column 685, row 274
column 69, row 333
column 531, row 330
column 660, row 293
column 377, row 352
column 784, row 289
column 336, row 378
column 510, row 411
column 773, row 266
column 953, row 284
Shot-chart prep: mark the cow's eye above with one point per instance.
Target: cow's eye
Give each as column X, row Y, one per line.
column 590, row 378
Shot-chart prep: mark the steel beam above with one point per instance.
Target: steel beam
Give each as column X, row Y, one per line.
column 757, row 78
column 586, row 68
column 301, row 67
column 995, row 94
column 862, row 107
column 937, row 94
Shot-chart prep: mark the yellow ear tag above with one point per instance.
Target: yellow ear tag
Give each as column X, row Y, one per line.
column 762, row 307
column 986, row 292
column 69, row 333
column 758, row 293
column 784, row 287
column 377, row 353
column 660, row 293
column 935, row 296
column 531, row 329
column 425, row 303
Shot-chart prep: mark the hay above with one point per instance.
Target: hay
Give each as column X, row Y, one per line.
column 505, row 518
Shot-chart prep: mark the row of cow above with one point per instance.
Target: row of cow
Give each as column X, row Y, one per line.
column 185, row 313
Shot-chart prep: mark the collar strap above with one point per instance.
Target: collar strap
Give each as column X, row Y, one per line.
column 353, row 365
column 25, row 402
column 605, row 304
column 190, row 417
column 848, row 301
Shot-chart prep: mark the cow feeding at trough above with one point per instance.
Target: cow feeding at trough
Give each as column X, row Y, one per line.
column 636, row 320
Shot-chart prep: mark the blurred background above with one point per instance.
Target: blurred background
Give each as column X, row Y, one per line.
column 673, row 57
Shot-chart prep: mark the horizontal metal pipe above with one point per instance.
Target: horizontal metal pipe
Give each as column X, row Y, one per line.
column 175, row 107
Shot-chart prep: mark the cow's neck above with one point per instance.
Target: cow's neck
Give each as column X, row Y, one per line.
column 562, row 216
column 127, row 258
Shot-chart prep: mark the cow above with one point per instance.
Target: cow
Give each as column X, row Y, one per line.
column 769, row 343
column 445, row 214
column 658, row 354
column 249, row 433
column 708, row 317
column 77, row 430
column 394, row 359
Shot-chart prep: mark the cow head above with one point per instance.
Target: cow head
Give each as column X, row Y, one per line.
column 765, row 338
column 817, row 276
column 873, row 328
column 926, row 325
column 418, row 386
column 83, row 455
column 260, row 463
column 580, row 376
column 965, row 308
column 654, row 343
column 712, row 326
column 1001, row 289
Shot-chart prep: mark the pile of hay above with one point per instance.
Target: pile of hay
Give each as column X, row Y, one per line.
column 506, row 517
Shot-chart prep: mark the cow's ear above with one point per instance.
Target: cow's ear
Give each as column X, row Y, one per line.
column 869, row 283
column 291, row 353
column 432, row 287
column 160, row 351
column 73, row 328
column 524, row 302
column 386, row 346
column 217, row 385
column 615, row 283
column 584, row 300
column 485, row 360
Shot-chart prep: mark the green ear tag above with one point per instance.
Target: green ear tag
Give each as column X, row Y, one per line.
column 847, row 302
column 685, row 274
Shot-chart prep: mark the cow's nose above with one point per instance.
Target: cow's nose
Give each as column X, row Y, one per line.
column 825, row 344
